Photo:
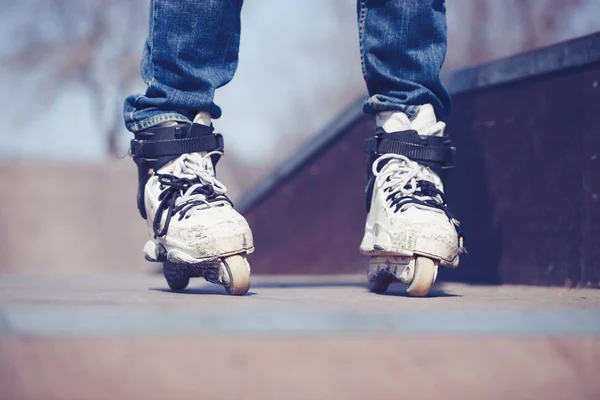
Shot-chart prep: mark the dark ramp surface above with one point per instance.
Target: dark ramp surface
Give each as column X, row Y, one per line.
column 525, row 186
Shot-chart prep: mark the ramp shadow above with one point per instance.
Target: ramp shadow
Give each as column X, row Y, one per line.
column 399, row 290
column 204, row 290
column 395, row 289
column 308, row 284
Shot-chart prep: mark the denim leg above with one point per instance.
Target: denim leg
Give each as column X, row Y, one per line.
column 403, row 46
column 191, row 50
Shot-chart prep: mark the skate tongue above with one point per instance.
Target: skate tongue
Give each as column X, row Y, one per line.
column 424, row 118
column 202, row 118
column 424, row 122
column 204, row 163
column 392, row 121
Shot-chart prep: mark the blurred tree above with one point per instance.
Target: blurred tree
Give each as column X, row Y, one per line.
column 483, row 30
column 81, row 42
column 541, row 20
column 97, row 44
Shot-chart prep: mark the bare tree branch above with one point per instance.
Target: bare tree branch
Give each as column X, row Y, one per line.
column 83, row 43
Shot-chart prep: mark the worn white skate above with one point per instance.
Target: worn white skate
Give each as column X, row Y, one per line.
column 409, row 230
column 194, row 228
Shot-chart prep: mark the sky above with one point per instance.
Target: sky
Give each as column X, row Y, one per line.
column 285, row 83
column 299, row 67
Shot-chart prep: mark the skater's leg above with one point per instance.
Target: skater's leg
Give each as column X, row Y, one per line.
column 191, row 50
column 403, row 46
column 410, row 230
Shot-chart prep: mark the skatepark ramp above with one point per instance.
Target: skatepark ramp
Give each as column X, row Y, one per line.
column 526, row 185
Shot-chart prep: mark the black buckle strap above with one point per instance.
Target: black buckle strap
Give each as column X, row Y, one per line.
column 442, row 154
column 173, row 147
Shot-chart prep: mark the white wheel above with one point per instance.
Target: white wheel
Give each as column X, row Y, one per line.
column 425, row 274
column 238, row 269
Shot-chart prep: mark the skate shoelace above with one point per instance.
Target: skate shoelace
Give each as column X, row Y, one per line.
column 408, row 182
column 191, row 186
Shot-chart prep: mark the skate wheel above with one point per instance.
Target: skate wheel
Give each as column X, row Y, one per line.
column 176, row 278
column 425, row 274
column 238, row 269
column 379, row 284
column 178, row 283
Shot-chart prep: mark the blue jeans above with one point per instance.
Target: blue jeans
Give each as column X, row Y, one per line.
column 192, row 49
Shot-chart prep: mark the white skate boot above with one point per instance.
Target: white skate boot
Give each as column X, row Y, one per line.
column 195, row 230
column 409, row 230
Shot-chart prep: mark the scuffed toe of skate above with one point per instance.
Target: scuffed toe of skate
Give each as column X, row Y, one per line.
column 414, row 232
column 214, row 233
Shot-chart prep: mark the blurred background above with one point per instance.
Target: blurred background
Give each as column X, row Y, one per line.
column 68, row 189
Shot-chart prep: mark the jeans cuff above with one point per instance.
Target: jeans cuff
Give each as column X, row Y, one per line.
column 154, row 120
column 376, row 104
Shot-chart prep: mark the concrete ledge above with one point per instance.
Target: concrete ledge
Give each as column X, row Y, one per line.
column 553, row 59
